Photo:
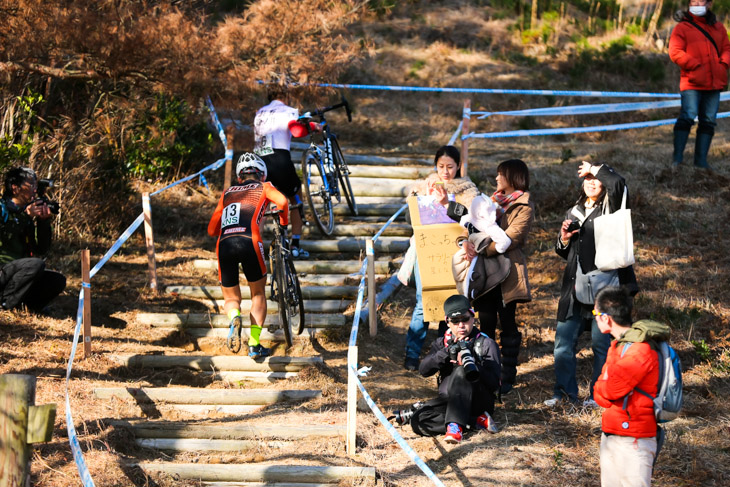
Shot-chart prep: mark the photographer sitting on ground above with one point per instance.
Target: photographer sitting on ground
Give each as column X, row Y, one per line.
column 469, row 366
column 25, row 233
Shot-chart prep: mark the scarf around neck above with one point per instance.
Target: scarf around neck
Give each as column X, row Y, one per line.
column 505, row 200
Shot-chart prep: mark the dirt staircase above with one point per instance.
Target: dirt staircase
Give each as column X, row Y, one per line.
column 192, row 421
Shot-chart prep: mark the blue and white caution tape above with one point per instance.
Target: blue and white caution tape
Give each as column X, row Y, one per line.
column 70, row 428
column 453, row 138
column 358, row 305
column 589, row 109
column 391, row 430
column 391, row 220
column 578, row 130
column 120, row 241
column 204, row 182
column 216, row 165
column 216, row 122
column 498, row 91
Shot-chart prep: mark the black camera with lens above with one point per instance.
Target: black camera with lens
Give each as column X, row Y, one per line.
column 461, row 353
column 43, row 186
column 403, row 416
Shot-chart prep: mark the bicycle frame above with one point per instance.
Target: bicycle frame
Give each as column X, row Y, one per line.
column 325, row 154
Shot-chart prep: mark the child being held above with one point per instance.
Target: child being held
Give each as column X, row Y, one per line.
column 482, row 217
column 481, row 223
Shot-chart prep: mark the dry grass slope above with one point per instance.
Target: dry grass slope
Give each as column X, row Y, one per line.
column 680, row 224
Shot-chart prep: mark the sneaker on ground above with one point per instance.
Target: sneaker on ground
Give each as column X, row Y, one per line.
column 258, row 351
column 234, row 335
column 411, row 364
column 299, row 253
column 485, row 421
column 553, row 401
column 590, row 404
column 453, row 433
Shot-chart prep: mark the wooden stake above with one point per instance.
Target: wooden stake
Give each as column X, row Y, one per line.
column 86, row 287
column 465, row 131
column 351, row 403
column 149, row 240
column 372, row 297
column 21, row 424
column 229, row 160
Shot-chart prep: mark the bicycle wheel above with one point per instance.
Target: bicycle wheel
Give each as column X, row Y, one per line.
column 294, row 298
column 279, row 289
column 315, row 188
column 343, row 173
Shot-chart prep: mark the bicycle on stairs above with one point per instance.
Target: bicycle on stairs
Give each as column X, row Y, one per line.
column 286, row 290
column 325, row 172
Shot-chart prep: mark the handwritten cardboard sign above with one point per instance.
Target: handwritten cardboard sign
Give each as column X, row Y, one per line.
column 435, row 246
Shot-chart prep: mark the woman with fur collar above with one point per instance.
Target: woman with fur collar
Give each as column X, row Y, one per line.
column 445, row 186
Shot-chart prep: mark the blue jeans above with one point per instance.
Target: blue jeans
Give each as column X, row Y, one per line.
column 417, row 329
column 566, row 343
column 699, row 103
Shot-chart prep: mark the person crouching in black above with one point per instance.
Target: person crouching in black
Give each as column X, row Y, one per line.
column 469, row 367
column 25, row 233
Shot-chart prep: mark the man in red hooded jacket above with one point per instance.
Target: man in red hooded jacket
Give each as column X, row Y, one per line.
column 629, row 439
column 699, row 46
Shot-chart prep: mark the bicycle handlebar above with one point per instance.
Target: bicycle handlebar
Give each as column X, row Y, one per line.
column 319, row 112
column 276, row 211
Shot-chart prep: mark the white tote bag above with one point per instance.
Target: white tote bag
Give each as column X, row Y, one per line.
column 614, row 238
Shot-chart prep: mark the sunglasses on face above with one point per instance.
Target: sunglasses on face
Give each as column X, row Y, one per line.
column 460, row 319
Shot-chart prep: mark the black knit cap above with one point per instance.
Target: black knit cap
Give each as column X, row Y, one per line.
column 457, row 305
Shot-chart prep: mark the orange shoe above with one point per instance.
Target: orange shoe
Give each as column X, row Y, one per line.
column 453, row 433
column 485, row 421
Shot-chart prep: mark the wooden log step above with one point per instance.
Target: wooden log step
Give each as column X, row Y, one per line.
column 383, row 187
column 238, row 376
column 277, row 336
column 310, row 305
column 263, row 484
column 309, row 292
column 376, row 200
column 216, row 362
column 194, row 320
column 228, row 430
column 259, row 473
column 199, row 444
column 356, row 230
column 189, row 395
column 356, row 244
column 317, row 266
column 381, row 210
column 206, row 410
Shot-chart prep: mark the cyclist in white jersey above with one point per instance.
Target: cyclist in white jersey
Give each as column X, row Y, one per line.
column 273, row 128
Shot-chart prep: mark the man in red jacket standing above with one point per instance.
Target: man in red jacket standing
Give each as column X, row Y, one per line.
column 699, row 46
column 629, row 376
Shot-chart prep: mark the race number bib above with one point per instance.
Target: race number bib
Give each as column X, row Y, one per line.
column 231, row 215
column 262, row 145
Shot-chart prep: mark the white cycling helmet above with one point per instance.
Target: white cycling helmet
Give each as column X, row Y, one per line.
column 250, row 163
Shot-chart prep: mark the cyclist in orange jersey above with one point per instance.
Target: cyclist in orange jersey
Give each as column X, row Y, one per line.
column 236, row 223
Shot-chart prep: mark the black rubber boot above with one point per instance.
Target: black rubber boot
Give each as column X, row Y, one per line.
column 702, row 144
column 510, row 352
column 681, row 134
